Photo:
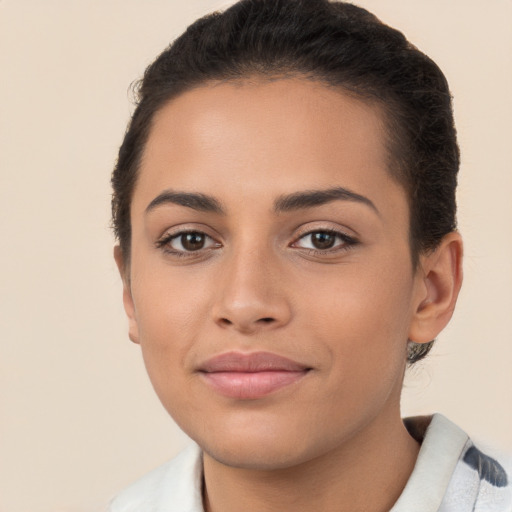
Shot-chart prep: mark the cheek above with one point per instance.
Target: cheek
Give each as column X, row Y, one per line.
column 168, row 332
column 361, row 312
column 171, row 315
column 168, row 302
column 362, row 329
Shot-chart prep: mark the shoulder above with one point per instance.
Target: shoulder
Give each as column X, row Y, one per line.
column 453, row 473
column 486, row 474
column 173, row 487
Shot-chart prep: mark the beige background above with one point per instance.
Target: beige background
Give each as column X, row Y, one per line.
column 78, row 419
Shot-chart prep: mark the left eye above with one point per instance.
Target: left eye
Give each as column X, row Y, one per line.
column 323, row 240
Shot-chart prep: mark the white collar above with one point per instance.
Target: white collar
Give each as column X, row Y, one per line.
column 177, row 485
column 441, row 447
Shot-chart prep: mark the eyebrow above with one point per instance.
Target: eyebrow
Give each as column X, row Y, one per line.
column 312, row 198
column 284, row 203
column 199, row 202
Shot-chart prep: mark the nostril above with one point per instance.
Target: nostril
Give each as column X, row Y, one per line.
column 247, row 324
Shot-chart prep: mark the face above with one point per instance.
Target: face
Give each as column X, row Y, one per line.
column 270, row 284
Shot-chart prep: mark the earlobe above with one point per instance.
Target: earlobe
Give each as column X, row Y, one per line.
column 439, row 281
column 129, row 306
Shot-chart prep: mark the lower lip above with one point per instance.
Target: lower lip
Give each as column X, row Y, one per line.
column 250, row 386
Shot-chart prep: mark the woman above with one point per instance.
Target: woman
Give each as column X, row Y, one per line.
column 284, row 202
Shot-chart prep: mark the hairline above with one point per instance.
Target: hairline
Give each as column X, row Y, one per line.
column 382, row 106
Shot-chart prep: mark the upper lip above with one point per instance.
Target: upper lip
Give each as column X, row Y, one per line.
column 252, row 362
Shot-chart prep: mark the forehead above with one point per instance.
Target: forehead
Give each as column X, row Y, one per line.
column 275, row 137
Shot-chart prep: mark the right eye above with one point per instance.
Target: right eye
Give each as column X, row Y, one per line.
column 186, row 242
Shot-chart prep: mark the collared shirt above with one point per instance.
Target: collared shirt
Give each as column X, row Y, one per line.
column 450, row 475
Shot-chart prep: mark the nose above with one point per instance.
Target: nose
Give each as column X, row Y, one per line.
column 252, row 295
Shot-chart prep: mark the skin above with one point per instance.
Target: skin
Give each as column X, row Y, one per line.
column 333, row 440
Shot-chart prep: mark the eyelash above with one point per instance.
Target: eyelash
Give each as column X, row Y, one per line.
column 347, row 243
column 165, row 241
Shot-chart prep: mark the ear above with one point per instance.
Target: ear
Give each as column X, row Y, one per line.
column 129, row 307
column 439, row 278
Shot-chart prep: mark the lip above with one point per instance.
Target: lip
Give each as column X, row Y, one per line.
column 250, row 376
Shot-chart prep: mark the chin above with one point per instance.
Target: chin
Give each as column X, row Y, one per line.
column 256, row 457
column 261, row 446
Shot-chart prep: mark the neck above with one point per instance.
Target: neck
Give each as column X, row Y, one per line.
column 367, row 473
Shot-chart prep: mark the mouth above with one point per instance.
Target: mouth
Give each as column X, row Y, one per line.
column 251, row 376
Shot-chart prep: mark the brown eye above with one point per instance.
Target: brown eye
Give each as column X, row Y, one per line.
column 192, row 241
column 323, row 240
column 186, row 242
